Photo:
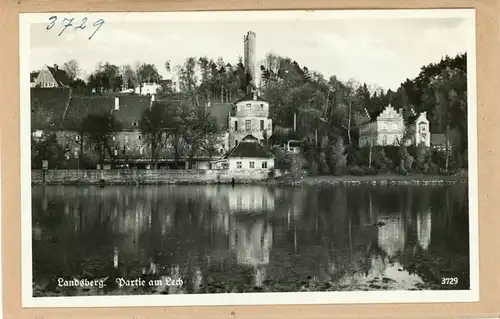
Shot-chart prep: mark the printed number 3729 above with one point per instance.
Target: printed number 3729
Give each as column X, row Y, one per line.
column 449, row 281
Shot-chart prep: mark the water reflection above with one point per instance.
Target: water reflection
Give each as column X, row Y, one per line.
column 259, row 238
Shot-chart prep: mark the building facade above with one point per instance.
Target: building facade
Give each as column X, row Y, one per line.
column 391, row 126
column 251, row 117
column 147, row 88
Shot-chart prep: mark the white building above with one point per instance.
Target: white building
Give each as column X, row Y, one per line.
column 251, row 117
column 248, row 156
column 147, row 88
column 389, row 127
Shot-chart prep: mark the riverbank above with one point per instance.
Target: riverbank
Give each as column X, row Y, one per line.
column 385, row 179
column 172, row 177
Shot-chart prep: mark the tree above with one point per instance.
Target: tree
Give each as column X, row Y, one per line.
column 47, row 148
column 154, row 126
column 449, row 90
column 200, row 133
column 72, row 69
column 148, row 73
column 129, row 76
column 337, row 159
column 106, row 78
column 422, row 158
column 99, row 129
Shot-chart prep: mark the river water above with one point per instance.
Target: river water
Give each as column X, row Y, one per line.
column 250, row 238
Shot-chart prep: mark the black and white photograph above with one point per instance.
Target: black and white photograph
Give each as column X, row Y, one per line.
column 248, row 157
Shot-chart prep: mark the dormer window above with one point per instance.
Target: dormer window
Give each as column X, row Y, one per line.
column 248, row 106
column 135, row 123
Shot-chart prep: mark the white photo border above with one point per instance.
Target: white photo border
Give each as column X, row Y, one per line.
column 358, row 297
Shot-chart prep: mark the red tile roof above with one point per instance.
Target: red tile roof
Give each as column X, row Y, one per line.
column 48, row 106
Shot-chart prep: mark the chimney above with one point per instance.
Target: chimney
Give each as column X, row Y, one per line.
column 254, row 95
column 56, row 67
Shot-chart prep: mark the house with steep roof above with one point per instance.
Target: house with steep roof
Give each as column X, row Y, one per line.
column 50, row 77
column 390, row 126
column 249, row 155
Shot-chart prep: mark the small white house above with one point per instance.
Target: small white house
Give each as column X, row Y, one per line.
column 249, row 155
column 147, row 88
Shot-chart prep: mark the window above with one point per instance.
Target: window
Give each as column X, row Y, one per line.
column 139, row 137
column 114, row 138
column 235, row 142
column 235, row 125
column 141, row 150
column 269, row 126
column 262, row 107
column 221, row 150
column 261, row 125
column 238, row 164
column 248, row 125
column 116, row 152
column 264, row 164
column 252, row 164
column 248, row 106
column 384, row 140
column 135, row 123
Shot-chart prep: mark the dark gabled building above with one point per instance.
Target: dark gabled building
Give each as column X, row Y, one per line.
column 50, row 77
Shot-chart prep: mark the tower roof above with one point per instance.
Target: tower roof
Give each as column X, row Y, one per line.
column 251, row 97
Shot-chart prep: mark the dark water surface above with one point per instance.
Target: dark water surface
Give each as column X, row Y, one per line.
column 250, row 238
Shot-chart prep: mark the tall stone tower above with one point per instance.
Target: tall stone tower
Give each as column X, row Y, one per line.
column 249, row 58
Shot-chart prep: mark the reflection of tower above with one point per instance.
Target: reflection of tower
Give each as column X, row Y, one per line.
column 424, row 228
column 249, row 58
column 391, row 237
column 252, row 242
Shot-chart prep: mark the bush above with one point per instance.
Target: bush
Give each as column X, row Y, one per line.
column 336, row 158
column 356, row 171
column 406, row 160
column 401, row 170
column 370, row 171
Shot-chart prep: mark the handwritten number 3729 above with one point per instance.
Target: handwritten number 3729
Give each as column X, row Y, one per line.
column 80, row 25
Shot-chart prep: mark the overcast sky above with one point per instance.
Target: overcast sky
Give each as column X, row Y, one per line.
column 381, row 52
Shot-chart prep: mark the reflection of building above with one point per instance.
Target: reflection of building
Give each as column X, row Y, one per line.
column 391, row 236
column 389, row 127
column 251, row 199
column 424, row 228
column 252, row 242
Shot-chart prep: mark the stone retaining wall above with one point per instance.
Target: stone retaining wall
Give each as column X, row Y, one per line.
column 134, row 176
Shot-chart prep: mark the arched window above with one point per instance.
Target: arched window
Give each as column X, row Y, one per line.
column 384, row 140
